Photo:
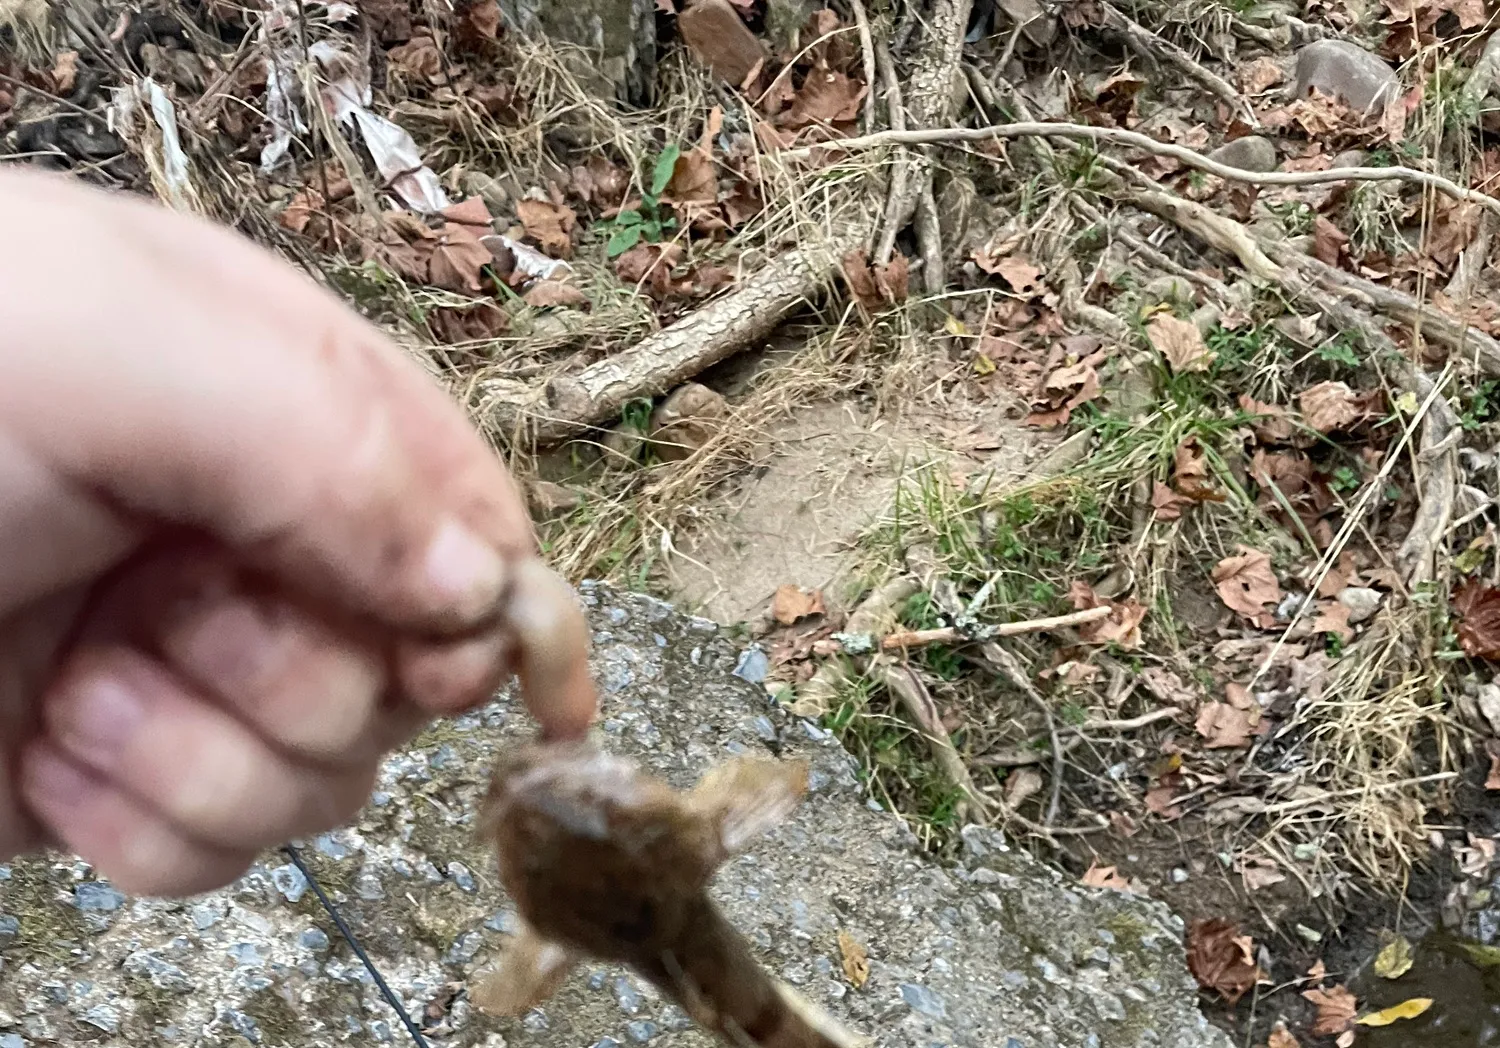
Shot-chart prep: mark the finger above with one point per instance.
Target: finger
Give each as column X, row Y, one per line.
column 269, row 414
column 132, row 845
column 551, row 651
column 312, row 693
column 142, row 732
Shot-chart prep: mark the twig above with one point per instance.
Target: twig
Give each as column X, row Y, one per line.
column 867, row 52
column 1356, row 791
column 1119, row 136
column 1155, row 256
column 956, row 635
column 1150, row 44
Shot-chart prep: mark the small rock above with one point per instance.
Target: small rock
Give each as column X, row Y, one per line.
column 1347, row 72
column 490, row 189
column 98, row 896
column 921, row 999
column 718, row 38
column 11, row 1040
column 10, row 927
column 1350, row 158
column 163, row 975
column 753, row 665
column 1251, row 153
column 1361, row 601
column 314, row 939
column 548, row 500
column 103, row 1017
column 1206, row 317
column 290, row 882
column 461, row 876
column 1489, row 705
column 689, row 418
column 627, row 996
column 641, row 1030
column 1179, row 875
column 503, row 921
column 1167, row 288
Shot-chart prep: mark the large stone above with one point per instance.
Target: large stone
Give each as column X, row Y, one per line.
column 1346, row 71
column 686, row 420
column 619, row 37
column 1249, row 153
column 993, row 950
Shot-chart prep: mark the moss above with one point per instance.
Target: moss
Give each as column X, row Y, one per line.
column 50, row 926
column 278, row 1021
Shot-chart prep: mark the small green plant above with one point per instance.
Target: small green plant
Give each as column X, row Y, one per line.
column 1344, row 480
column 650, row 221
column 1236, row 350
column 1480, row 407
column 1296, row 217
column 1339, row 350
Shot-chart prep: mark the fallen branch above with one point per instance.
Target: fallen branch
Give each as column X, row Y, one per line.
column 1119, row 136
column 1149, row 45
column 570, row 404
column 902, row 640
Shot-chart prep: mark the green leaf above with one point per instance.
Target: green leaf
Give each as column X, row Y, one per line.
column 623, row 240
column 627, row 218
column 665, row 164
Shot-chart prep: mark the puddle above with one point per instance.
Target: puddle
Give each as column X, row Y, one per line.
column 1463, row 980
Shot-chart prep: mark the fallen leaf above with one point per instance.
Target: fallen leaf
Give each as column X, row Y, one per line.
column 1330, row 243
column 1258, row 873
column 1280, row 1038
column 550, row 225
column 1271, row 425
column 1223, row 727
column 1408, row 1009
column 1123, row 624
column 1333, row 617
column 1162, row 800
column 1395, row 959
column 1180, row 344
column 483, row 320
column 650, row 265
column 1246, row 583
column 693, row 180
column 1216, row 957
column 475, row 24
column 1021, row 784
column 1478, row 607
column 1336, row 1008
column 1106, row 877
column 553, row 293
column 1260, row 74
column 418, row 57
column 826, row 97
column 1023, row 277
column 64, row 73
column 1318, row 972
column 1190, row 474
column 1167, row 503
column 856, row 959
column 1330, row 406
column 1492, row 781
column 793, row 602
column 878, row 286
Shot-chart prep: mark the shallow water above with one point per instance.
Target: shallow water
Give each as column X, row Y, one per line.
column 1463, row 980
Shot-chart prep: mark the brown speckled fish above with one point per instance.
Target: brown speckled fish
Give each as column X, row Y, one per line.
column 604, row 861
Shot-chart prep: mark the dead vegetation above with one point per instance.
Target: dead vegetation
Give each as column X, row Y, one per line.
column 1245, row 272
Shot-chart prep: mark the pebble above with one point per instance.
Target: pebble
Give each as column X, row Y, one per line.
column 919, row 998
column 10, row 927
column 104, row 1017
column 627, row 996
column 536, row 1021
column 1361, row 601
column 329, row 845
column 753, row 665
column 1179, row 875
column 246, row 954
column 461, row 876
column 1250, row 153
column 163, row 975
column 367, row 886
column 504, row 921
column 290, row 882
column 641, row 1030
column 606, row 1042
column 206, row 915
column 314, row 939
column 11, row 1040
column 97, row 896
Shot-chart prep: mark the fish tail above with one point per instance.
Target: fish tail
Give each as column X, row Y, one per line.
column 713, row 975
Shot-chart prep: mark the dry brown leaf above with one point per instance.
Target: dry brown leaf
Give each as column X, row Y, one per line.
column 64, row 73
column 1216, row 957
column 550, row 225
column 825, row 97
column 1223, row 727
column 856, row 959
column 1190, row 474
column 1246, row 583
column 1021, row 784
column 1330, row 244
column 553, row 293
column 1258, row 873
column 1492, row 781
column 1478, row 606
column 693, row 181
column 1106, row 877
column 1259, row 75
column 1280, row 1038
column 1333, row 617
column 1180, row 344
column 1336, row 1009
column 1162, row 801
column 1331, row 406
column 1023, row 277
column 1167, row 503
column 1123, row 624
column 879, row 286
column 793, row 602
column 478, row 322
column 650, row 265
column 419, row 57
column 1273, row 426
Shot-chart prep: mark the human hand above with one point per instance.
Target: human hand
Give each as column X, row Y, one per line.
column 248, row 548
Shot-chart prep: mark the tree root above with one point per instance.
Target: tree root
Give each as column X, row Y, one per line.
column 1153, row 47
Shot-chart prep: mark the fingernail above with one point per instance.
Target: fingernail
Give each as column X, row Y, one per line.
column 464, row 571
column 53, row 783
column 98, row 719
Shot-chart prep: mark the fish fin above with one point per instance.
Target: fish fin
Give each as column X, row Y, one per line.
column 747, row 796
column 529, row 972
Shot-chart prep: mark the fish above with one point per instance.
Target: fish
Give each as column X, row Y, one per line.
column 607, row 862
